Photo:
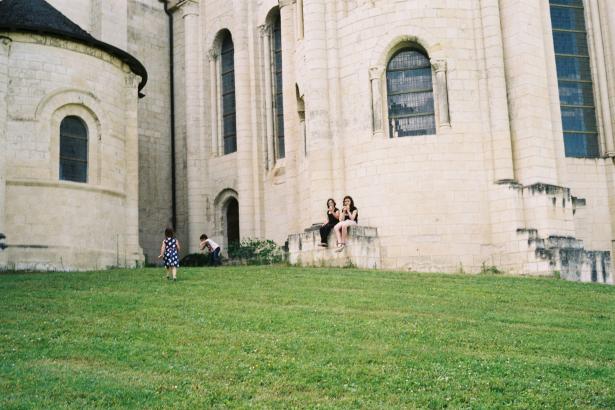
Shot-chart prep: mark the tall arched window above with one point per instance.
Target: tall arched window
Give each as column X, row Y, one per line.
column 227, row 72
column 574, row 78
column 410, row 94
column 277, row 88
column 73, row 149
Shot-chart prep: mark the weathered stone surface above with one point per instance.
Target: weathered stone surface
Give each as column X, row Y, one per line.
column 362, row 249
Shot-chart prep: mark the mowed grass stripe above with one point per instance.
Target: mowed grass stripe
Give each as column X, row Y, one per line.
column 288, row 337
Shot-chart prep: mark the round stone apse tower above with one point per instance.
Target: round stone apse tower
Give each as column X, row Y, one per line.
column 69, row 138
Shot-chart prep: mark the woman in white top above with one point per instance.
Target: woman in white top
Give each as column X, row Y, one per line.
column 348, row 216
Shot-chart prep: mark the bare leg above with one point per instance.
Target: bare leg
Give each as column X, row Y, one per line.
column 338, row 234
column 344, row 233
column 174, row 271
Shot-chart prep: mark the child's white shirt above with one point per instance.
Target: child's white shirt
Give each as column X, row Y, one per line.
column 212, row 244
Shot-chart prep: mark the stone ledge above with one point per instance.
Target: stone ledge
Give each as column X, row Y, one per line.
column 362, row 249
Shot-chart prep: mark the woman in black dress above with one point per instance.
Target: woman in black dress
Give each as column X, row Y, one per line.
column 333, row 217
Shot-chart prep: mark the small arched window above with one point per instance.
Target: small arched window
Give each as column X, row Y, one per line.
column 278, row 90
column 73, row 149
column 410, row 94
column 227, row 80
column 574, row 77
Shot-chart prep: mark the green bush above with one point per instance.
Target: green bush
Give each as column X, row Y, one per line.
column 195, row 259
column 252, row 251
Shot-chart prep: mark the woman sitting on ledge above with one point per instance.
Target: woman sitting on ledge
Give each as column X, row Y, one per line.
column 333, row 217
column 349, row 216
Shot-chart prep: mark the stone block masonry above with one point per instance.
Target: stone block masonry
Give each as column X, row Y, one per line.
column 362, row 249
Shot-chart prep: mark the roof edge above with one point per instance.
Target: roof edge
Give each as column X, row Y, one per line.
column 135, row 65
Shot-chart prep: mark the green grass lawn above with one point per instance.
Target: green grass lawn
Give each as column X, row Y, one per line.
column 288, row 337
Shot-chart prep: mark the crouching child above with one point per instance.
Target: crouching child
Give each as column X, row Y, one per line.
column 213, row 248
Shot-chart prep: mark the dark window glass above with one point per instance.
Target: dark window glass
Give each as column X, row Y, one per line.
column 574, row 78
column 229, row 128
column 278, row 100
column 73, row 150
column 410, row 95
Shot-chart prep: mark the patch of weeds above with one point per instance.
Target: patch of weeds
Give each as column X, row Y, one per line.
column 490, row 270
column 252, row 251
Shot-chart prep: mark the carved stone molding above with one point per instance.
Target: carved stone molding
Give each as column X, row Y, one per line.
column 212, row 54
column 375, row 72
column 284, row 3
column 187, row 7
column 5, row 43
column 264, row 29
column 438, row 65
column 132, row 80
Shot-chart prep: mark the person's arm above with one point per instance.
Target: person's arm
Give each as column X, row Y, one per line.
column 201, row 245
column 161, row 250
column 353, row 215
column 336, row 214
column 179, row 248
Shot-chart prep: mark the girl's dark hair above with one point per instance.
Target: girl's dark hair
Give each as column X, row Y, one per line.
column 203, row 237
column 352, row 207
column 169, row 233
column 331, row 199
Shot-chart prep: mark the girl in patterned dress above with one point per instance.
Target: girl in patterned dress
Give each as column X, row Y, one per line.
column 170, row 250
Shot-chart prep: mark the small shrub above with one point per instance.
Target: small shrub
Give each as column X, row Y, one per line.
column 194, row 259
column 490, row 270
column 252, row 251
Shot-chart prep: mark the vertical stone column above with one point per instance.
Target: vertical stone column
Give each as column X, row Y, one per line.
column 300, row 29
column 439, row 66
column 607, row 23
column 244, row 97
column 133, row 252
column 600, row 26
column 526, row 66
column 193, row 93
column 5, row 47
column 254, row 53
column 213, row 101
column 265, row 33
column 607, row 19
column 292, row 140
column 336, row 105
column 320, row 152
column 499, row 126
column 375, row 77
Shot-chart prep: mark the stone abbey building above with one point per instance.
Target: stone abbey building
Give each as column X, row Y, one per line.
column 470, row 133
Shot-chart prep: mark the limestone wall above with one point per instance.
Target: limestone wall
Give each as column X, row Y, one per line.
column 53, row 224
column 149, row 42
